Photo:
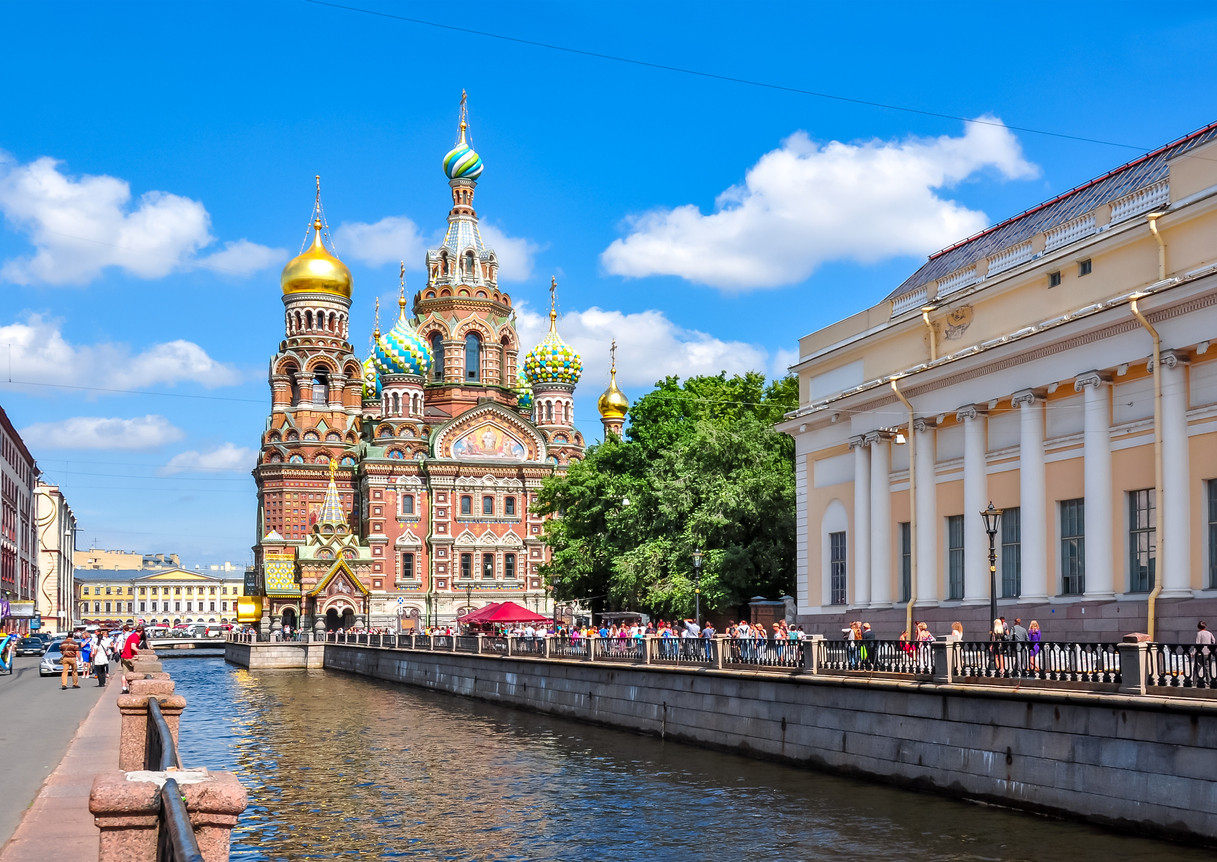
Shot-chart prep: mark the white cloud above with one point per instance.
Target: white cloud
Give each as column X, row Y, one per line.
column 95, row 432
column 80, row 226
column 389, row 240
column 649, row 346
column 35, row 351
column 783, row 358
column 224, row 458
column 804, row 204
column 396, row 238
column 243, row 258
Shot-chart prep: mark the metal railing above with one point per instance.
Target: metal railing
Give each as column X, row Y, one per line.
column 697, row 652
column 1051, row 661
column 630, row 650
column 1191, row 666
column 876, row 656
column 175, row 841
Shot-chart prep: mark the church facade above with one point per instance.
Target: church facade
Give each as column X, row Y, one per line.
column 398, row 491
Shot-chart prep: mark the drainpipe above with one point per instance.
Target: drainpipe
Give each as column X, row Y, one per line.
column 925, row 318
column 908, row 609
column 1159, row 522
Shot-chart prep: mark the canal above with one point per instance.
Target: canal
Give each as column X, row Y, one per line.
column 341, row 767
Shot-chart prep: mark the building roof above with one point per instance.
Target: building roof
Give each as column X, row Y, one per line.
column 123, row 575
column 1116, row 184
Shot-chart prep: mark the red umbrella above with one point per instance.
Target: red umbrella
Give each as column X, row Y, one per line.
column 505, row 612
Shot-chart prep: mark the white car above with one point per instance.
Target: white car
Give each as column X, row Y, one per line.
column 52, row 662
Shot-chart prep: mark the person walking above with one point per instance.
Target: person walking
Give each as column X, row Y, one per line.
column 1202, row 660
column 101, row 660
column 1033, row 637
column 130, row 650
column 69, row 649
column 1019, row 636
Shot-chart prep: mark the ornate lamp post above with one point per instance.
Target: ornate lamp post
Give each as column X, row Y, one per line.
column 992, row 518
column 697, row 586
column 468, row 597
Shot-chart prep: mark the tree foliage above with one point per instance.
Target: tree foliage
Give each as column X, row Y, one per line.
column 701, row 467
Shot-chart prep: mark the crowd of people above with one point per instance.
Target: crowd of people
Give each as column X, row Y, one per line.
column 90, row 651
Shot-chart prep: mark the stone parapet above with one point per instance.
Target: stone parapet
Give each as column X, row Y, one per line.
column 133, row 708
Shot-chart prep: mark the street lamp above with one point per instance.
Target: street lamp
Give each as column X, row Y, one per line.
column 992, row 518
column 697, row 585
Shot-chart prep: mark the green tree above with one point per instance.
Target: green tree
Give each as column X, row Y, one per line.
column 700, row 467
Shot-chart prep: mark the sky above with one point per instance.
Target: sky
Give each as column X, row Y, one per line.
column 707, row 182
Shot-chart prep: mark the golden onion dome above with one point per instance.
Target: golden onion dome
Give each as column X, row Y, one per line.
column 316, row 271
column 613, row 404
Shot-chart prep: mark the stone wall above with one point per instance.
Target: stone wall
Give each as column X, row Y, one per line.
column 268, row 656
column 1138, row 763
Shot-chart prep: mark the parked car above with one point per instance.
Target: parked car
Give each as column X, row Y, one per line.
column 31, row 646
column 52, row 661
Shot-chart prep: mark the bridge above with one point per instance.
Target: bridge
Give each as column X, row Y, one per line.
column 188, row 647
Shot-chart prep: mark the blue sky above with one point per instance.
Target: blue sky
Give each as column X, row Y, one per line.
column 157, row 162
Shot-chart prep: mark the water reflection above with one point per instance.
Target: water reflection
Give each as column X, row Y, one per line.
column 340, row 767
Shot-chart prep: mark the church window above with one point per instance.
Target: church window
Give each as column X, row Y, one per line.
column 509, row 506
column 549, row 411
column 488, row 567
column 469, row 270
column 290, row 371
column 466, row 566
column 473, row 356
column 333, row 321
column 509, row 566
column 437, row 356
column 407, row 567
column 308, row 318
column 488, row 505
column 394, row 404
column 466, row 505
column 407, row 505
column 321, row 388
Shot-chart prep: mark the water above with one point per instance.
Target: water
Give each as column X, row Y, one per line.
column 340, row 767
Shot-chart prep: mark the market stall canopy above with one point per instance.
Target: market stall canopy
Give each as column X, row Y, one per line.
column 502, row 612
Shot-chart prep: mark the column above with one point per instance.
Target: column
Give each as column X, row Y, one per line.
column 1174, row 549
column 880, row 520
column 927, row 514
column 975, row 500
column 859, row 571
column 1096, row 449
column 1032, row 495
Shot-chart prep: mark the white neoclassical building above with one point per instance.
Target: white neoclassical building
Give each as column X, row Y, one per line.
column 1017, row 367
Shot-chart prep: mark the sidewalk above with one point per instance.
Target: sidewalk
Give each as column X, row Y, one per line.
column 58, row 826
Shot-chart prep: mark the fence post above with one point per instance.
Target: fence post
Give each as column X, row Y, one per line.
column 1134, row 667
column 812, row 645
column 943, row 655
column 592, row 640
column 548, row 640
column 720, row 650
column 127, row 813
column 133, row 727
column 646, row 648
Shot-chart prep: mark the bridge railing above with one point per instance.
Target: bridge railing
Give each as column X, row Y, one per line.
column 696, row 652
column 875, row 656
column 1181, row 666
column 1049, row 661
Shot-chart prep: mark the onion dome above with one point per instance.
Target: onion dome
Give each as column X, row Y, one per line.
column 316, row 271
column 523, row 391
column 461, row 162
column 613, row 404
column 553, row 360
column 400, row 350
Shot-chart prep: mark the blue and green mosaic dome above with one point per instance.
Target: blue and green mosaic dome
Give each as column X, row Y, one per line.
column 401, row 351
column 371, row 380
column 523, row 391
column 553, row 360
column 462, row 162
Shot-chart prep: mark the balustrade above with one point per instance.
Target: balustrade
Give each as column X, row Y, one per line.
column 1191, row 666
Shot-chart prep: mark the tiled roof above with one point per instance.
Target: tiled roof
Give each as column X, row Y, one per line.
column 1112, row 186
column 104, row 575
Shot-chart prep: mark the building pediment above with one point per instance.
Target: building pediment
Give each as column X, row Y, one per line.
column 489, row 432
column 339, row 581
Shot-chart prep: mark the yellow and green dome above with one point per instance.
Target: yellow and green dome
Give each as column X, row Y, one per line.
column 371, row 380
column 523, row 391
column 553, row 360
column 400, row 350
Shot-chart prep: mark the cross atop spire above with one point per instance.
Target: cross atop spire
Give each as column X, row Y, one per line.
column 613, row 355
column 401, row 296
column 376, row 331
column 464, row 117
column 553, row 300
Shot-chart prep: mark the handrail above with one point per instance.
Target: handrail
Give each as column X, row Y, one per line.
column 160, row 754
column 176, row 841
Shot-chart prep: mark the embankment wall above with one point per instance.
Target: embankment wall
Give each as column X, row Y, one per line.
column 1145, row 764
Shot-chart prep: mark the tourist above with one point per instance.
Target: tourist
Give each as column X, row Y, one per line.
column 1033, row 637
column 130, row 650
column 69, row 649
column 101, row 660
column 956, row 634
column 995, row 649
column 1019, row 637
column 1202, row 662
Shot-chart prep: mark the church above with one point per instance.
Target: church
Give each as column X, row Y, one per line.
column 398, row 491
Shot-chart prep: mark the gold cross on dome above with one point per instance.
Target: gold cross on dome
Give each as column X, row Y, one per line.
column 613, row 354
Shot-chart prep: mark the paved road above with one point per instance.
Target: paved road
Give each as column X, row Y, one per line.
column 37, row 721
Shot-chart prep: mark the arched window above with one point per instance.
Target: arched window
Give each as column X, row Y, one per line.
column 299, row 322
column 505, row 377
column 473, row 357
column 290, row 371
column 308, row 318
column 333, row 320
column 321, row 387
column 396, row 408
column 469, row 266
column 437, row 356
column 549, row 411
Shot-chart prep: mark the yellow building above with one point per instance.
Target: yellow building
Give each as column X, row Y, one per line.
column 167, row 597
column 1017, row 367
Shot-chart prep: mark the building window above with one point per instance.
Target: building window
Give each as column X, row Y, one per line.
column 107, row 607
column 407, row 567
column 1054, row 279
column 838, row 572
column 84, row 591
column 143, row 606
column 211, row 606
column 437, row 356
column 473, row 356
column 466, row 505
column 1084, row 267
column 1141, row 546
column 466, row 565
column 96, row 607
column 488, row 566
column 955, row 557
column 407, row 505
column 108, row 590
column 1012, row 553
column 177, row 607
column 1212, row 488
column 509, row 566
column 488, row 505
column 509, row 506
column 1073, row 547
column 906, row 560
